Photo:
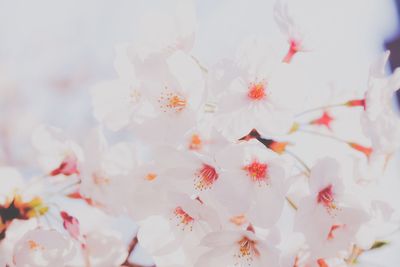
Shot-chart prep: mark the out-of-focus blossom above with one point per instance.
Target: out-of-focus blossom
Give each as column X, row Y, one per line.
column 105, row 249
column 238, row 248
column 297, row 40
column 42, row 247
column 106, row 172
column 381, row 122
column 57, row 153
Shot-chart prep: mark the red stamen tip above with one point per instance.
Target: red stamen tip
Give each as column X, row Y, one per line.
column 356, row 103
column 367, row 151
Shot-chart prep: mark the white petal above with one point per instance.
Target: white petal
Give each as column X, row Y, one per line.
column 221, row 239
column 188, row 74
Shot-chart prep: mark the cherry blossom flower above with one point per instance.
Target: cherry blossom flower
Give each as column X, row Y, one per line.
column 165, row 30
column 238, row 248
column 186, row 221
column 175, row 90
column 251, row 182
column 106, row 171
column 290, row 28
column 257, row 96
column 380, row 122
column 204, row 139
column 379, row 226
column 184, row 171
column 328, row 217
column 160, row 91
column 118, row 102
column 41, row 247
column 105, row 248
column 156, row 77
column 152, row 180
column 57, row 154
column 197, row 160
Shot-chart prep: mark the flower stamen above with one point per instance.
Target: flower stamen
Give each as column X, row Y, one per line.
column 256, row 91
column 326, row 198
column 247, row 250
column 195, row 142
column 184, row 219
column 205, row 177
column 172, row 102
column 257, row 171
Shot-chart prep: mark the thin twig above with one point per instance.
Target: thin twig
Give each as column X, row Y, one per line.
column 86, row 257
column 131, row 247
column 308, row 170
column 320, row 108
column 204, row 69
column 324, row 135
column 292, row 204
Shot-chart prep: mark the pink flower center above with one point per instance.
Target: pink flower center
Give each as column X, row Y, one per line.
column 325, row 197
column 184, row 219
column 67, row 167
column 257, row 171
column 34, row 246
column 99, row 179
column 172, row 102
column 205, row 177
column 247, row 249
column 256, row 91
column 195, row 142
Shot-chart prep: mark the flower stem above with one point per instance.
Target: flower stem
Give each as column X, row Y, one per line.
column 324, row 135
column 291, row 203
column 131, row 248
column 201, row 66
column 320, row 108
column 86, row 257
column 308, row 170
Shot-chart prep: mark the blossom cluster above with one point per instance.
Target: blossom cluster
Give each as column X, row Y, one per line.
column 208, row 161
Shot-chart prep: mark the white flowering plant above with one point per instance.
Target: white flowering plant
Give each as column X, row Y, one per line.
column 222, row 165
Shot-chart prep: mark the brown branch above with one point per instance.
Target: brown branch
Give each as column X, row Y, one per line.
column 131, row 247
